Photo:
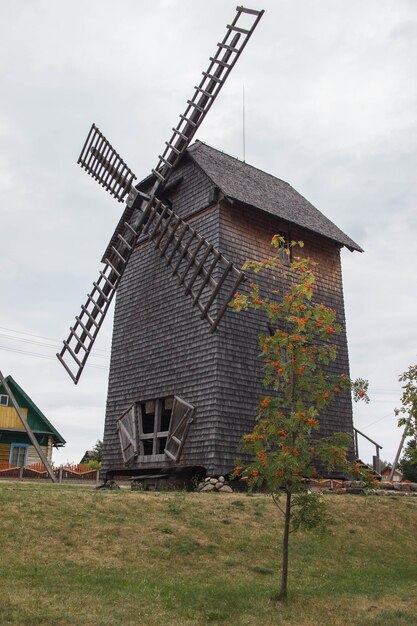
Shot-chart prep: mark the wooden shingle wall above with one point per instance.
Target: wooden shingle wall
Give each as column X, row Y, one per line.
column 161, row 347
column 245, row 234
column 189, row 189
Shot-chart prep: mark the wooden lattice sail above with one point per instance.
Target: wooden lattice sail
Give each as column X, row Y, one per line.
column 205, row 274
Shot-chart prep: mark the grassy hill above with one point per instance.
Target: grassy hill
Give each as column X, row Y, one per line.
column 75, row 556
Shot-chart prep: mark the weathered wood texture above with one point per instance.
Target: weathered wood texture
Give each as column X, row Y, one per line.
column 9, row 418
column 246, row 234
column 161, row 347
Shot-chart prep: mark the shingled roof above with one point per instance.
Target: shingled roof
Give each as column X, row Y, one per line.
column 245, row 183
column 251, row 186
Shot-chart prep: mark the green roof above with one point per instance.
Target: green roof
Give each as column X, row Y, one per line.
column 36, row 419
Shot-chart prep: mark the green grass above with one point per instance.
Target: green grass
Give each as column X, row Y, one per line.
column 76, row 556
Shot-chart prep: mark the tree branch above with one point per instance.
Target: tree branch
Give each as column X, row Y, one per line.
column 275, row 500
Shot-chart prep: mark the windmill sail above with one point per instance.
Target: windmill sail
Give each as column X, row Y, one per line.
column 204, row 273
column 221, row 64
column 102, row 162
column 96, row 160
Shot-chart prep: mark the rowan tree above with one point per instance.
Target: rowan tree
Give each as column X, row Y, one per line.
column 408, row 408
column 284, row 447
column 408, row 418
column 408, row 462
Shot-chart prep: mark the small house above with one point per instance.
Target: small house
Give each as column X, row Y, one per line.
column 16, row 449
column 386, row 474
column 87, row 457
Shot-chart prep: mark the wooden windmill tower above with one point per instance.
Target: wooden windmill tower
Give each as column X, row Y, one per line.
column 179, row 396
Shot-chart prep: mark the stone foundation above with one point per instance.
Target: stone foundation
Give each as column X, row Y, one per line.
column 214, row 484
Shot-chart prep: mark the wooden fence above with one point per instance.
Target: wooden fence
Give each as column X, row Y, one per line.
column 73, row 473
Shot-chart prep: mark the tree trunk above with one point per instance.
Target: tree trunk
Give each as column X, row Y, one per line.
column 284, row 570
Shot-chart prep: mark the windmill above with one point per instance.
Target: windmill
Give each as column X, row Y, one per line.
column 179, row 397
column 200, row 268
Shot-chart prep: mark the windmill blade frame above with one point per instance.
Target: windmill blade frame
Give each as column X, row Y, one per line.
column 99, row 159
column 81, row 338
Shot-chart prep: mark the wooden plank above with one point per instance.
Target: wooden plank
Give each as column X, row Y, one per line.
column 217, row 289
column 178, row 242
column 198, row 268
column 222, row 311
column 207, row 277
column 183, row 251
column 191, row 260
column 164, row 228
column 170, row 236
column 140, row 428
column 156, row 424
column 159, row 219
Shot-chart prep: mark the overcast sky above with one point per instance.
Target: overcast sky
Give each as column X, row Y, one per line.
column 331, row 101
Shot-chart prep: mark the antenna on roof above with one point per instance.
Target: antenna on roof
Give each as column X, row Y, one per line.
column 243, row 123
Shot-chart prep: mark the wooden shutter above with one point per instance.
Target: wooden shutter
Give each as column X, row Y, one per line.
column 181, row 418
column 126, row 425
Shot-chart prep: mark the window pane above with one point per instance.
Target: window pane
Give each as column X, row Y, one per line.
column 148, row 422
column 18, row 455
column 154, row 423
column 165, row 420
column 162, row 442
column 168, row 402
column 147, row 446
column 284, row 249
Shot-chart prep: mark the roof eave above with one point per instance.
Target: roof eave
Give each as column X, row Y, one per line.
column 353, row 247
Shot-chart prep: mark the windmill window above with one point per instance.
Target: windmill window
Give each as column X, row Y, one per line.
column 154, row 419
column 155, row 430
column 4, row 400
column 284, row 248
